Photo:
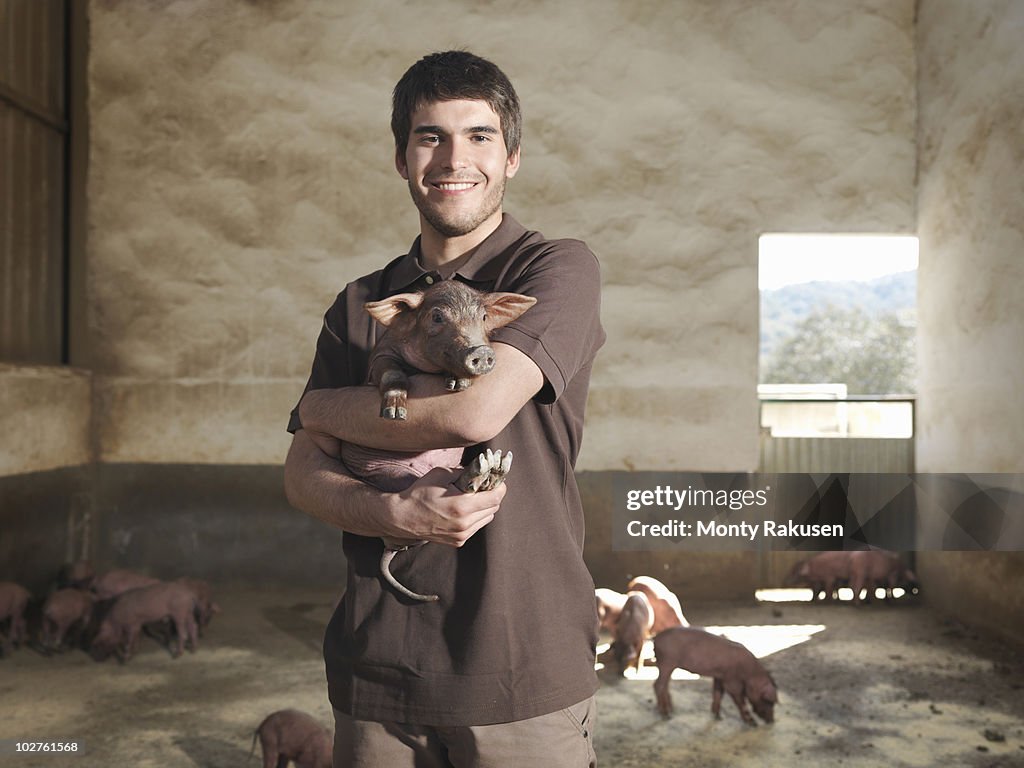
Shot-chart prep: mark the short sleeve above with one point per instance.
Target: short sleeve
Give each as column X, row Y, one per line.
column 562, row 332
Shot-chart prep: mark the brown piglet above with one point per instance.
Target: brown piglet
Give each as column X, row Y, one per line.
column 878, row 568
column 733, row 668
column 206, row 608
column 120, row 627
column 65, row 610
column 290, row 735
column 113, row 583
column 442, row 330
column 823, row 572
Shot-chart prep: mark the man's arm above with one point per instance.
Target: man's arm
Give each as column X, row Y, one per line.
column 437, row 418
column 430, row 509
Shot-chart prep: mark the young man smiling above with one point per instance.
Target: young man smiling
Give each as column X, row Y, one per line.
column 499, row 671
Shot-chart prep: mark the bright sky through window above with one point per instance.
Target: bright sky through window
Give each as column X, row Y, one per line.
column 790, row 259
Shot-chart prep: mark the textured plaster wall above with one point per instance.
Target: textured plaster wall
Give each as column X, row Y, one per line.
column 44, row 419
column 241, row 173
column 971, row 226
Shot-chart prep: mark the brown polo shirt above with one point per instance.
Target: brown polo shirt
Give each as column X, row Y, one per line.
column 514, row 632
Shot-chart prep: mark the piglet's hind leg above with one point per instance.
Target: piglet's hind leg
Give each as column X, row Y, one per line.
column 485, row 472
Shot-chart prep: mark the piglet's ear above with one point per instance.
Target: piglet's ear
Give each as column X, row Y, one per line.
column 503, row 308
column 384, row 312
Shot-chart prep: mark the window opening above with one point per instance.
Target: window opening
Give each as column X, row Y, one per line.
column 838, row 318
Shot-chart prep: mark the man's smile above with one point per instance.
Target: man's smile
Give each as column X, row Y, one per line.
column 453, row 186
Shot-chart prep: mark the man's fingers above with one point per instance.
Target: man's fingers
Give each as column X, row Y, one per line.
column 466, row 535
column 438, row 511
column 469, row 515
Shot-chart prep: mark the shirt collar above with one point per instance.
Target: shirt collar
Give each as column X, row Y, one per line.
column 482, row 267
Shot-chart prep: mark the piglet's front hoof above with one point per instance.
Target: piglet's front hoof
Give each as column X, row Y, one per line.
column 394, row 414
column 457, row 385
column 393, row 405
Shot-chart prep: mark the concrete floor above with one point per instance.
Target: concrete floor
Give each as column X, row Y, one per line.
column 871, row 686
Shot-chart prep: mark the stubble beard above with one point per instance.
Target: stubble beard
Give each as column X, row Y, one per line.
column 463, row 223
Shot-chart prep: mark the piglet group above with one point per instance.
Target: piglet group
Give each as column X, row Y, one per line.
column 107, row 613
column 860, row 570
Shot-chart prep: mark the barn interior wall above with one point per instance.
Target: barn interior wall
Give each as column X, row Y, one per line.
column 238, row 179
column 240, row 173
column 971, row 230
column 45, row 460
column 223, row 217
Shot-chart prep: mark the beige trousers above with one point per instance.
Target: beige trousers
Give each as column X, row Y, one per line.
column 562, row 739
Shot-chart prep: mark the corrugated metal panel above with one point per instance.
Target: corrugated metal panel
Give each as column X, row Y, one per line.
column 33, row 133
column 836, row 454
column 830, row 455
column 31, row 56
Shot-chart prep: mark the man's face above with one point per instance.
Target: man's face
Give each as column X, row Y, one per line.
column 456, row 163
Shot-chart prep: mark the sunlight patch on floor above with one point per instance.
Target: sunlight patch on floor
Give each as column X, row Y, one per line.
column 765, row 640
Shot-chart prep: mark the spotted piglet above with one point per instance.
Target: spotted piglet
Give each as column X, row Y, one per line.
column 633, row 627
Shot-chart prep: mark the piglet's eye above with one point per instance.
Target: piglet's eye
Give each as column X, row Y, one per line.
column 436, row 316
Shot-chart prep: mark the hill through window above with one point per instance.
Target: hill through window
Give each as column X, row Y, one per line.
column 838, row 318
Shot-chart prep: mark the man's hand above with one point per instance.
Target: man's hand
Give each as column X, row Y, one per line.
column 433, row 509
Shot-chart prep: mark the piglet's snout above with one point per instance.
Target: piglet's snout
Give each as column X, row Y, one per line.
column 479, row 360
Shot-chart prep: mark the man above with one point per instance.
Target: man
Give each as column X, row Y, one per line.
column 499, row 671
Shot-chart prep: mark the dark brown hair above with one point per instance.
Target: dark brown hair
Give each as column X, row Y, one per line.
column 449, row 76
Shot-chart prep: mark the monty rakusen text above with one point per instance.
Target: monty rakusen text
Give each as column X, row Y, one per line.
column 715, row 502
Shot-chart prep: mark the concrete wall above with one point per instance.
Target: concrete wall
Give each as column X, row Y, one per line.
column 44, row 418
column 45, row 469
column 971, row 226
